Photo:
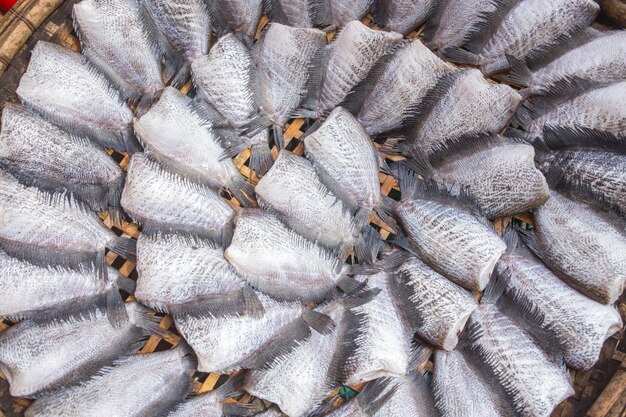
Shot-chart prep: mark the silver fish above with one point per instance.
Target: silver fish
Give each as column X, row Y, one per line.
column 499, row 173
column 241, row 16
column 342, row 12
column 70, row 93
column 402, row 16
column 448, row 233
column 174, row 134
column 177, row 272
column 347, row 62
column 535, row 388
column 138, row 385
column 158, row 199
column 580, row 325
column 436, row 308
column 591, row 55
column 520, row 27
column 293, row 190
column 232, row 342
column 115, row 40
column 594, row 265
column 285, row 56
column 184, row 30
column 290, row 12
column 55, row 231
column 462, row 103
column 34, row 361
column 412, row 397
column 39, row 153
column 300, row 270
column 369, row 401
column 584, row 107
column 404, row 81
column 349, row 167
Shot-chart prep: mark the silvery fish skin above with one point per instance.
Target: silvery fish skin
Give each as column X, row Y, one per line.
column 500, row 174
column 34, row 361
column 580, row 325
column 346, row 160
column 402, row 16
column 437, row 308
column 159, row 199
column 412, row 397
column 29, row 290
column 229, row 343
column 70, row 93
column 342, row 12
column 368, row 400
column 461, row 390
column 384, row 338
column 176, row 270
column 177, row 136
column 451, row 238
column 39, row 153
column 351, row 56
column 284, row 58
column 279, row 262
column 537, row 386
column 239, row 15
column 115, row 40
column 208, row 404
column 463, row 103
column 138, row 385
column 293, row 190
column 528, row 25
column 272, row 412
column 602, row 108
column 594, row 265
column 290, row 12
column 406, row 79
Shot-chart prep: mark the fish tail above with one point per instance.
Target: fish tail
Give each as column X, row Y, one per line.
column 260, row 159
column 145, row 102
column 124, row 247
column 461, row 56
column 116, row 308
column 242, row 190
column 385, row 213
column 368, row 245
column 375, row 394
column 181, row 77
column 319, row 322
column 519, row 74
column 256, row 125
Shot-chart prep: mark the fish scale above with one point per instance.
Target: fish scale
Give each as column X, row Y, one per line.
column 341, row 12
column 403, row 16
column 238, row 15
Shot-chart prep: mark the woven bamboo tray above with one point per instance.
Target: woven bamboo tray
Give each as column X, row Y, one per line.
column 600, row 392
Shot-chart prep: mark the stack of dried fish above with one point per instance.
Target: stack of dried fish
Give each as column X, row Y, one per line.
column 280, row 276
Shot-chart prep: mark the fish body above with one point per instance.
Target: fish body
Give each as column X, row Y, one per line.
column 115, row 40
column 300, row 270
column 70, row 93
column 158, row 199
column 138, row 385
column 342, row 12
column 290, row 12
column 39, row 357
column 402, row 16
column 241, row 16
column 349, row 59
column 594, row 265
column 412, row 397
column 175, row 272
column 437, row 308
column 404, row 81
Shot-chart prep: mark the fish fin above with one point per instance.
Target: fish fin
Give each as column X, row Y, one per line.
column 376, row 394
column 410, row 309
column 115, row 308
column 316, row 73
column 208, row 113
column 218, row 21
column 67, row 312
column 240, row 409
column 279, row 137
column 158, row 41
column 274, row 12
column 242, row 190
column 418, row 355
column 243, row 301
column 289, row 339
column 546, row 54
column 466, row 144
column 460, row 56
column 494, row 291
column 126, row 284
column 145, row 102
column 516, row 134
column 319, row 322
column 486, row 24
column 420, row 163
column 350, row 285
column 393, row 260
column 256, row 125
column 528, row 238
column 557, row 137
column 181, row 76
column 149, row 324
column 385, row 214
column 558, row 93
column 398, row 145
column 360, row 298
column 253, row 305
column 434, row 22
column 125, row 247
column 342, row 364
column 233, row 386
column 369, row 244
column 519, row 74
column 260, row 159
column 512, row 240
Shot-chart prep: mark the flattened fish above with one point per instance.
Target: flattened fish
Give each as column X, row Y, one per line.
column 369, row 401
column 174, row 134
column 517, row 28
column 447, row 232
column 293, row 190
column 499, row 173
column 115, row 40
column 579, row 324
column 583, row 245
column 402, row 16
column 342, row 12
column 462, row 103
column 389, row 91
column 436, row 308
column 40, row 154
column 184, row 30
column 290, row 12
column 138, row 385
column 240, row 16
column 72, row 94
column 412, row 397
column 299, row 270
column 178, row 272
column 158, row 199
column 236, row 341
column 39, row 357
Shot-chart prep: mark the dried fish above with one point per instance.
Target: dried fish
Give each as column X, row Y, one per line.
column 402, row 16
column 579, row 324
column 115, row 40
column 240, row 16
column 594, row 265
column 370, row 400
column 73, row 95
column 138, row 385
column 412, row 397
column 39, row 357
column 342, row 12
column 281, row 263
column 158, row 199
column 447, row 231
column 297, row 13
